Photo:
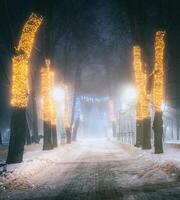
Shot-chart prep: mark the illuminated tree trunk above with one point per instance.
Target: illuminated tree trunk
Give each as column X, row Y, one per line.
column 49, row 54
column 53, row 112
column 143, row 128
column 158, row 132
column 146, row 136
column 46, row 87
column 18, row 136
column 54, row 135
column 47, row 142
column 139, row 133
column 158, row 91
column 20, row 89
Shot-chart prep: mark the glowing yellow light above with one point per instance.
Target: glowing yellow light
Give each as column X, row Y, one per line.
column 111, row 111
column 66, row 108
column 45, row 91
column 142, row 106
column 20, row 86
column 53, row 104
column 158, row 88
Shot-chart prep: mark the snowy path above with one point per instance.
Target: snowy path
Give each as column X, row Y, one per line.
column 101, row 170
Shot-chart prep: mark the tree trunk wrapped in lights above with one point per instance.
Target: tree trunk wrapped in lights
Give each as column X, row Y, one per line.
column 20, row 88
column 46, row 94
column 146, row 137
column 53, row 114
column 137, row 64
column 142, row 107
column 112, row 117
column 67, row 114
column 158, row 90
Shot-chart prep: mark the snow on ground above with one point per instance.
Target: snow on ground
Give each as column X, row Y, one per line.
column 149, row 168
column 34, row 161
column 172, row 141
column 88, row 165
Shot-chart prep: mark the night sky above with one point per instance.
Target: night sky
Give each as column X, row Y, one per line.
column 93, row 38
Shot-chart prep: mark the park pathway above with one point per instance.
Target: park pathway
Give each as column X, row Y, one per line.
column 100, row 170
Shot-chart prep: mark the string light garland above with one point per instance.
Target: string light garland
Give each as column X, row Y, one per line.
column 142, row 106
column 45, row 91
column 20, row 71
column 66, row 108
column 91, row 99
column 158, row 87
column 53, row 104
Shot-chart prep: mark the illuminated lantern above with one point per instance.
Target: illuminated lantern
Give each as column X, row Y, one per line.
column 158, row 87
column 20, row 71
column 66, row 108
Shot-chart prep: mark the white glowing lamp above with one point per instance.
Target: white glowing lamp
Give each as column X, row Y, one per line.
column 130, row 94
column 58, row 94
column 124, row 107
column 163, row 106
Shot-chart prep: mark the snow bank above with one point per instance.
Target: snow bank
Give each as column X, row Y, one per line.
column 34, row 161
column 144, row 167
column 129, row 166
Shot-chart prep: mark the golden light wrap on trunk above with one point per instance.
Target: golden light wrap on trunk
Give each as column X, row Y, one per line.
column 45, row 92
column 158, row 87
column 111, row 111
column 66, row 108
column 53, row 104
column 142, row 106
column 20, row 71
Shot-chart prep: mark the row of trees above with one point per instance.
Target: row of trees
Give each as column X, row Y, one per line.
column 20, row 89
column 144, row 18
column 71, row 35
column 20, row 96
column 143, row 133
column 50, row 37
